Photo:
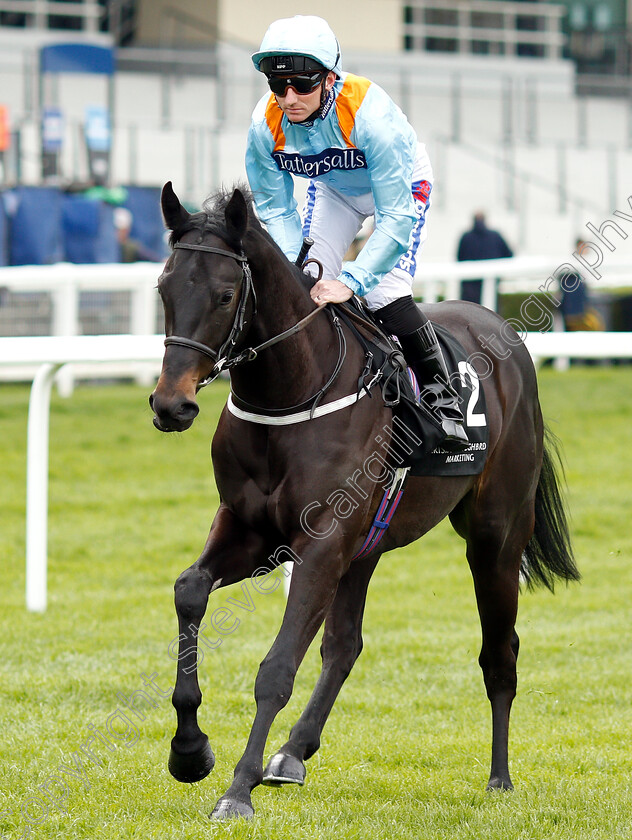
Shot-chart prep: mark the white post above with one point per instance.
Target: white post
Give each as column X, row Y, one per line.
column 560, row 363
column 452, row 289
column 429, row 291
column 489, row 292
column 66, row 322
column 37, row 488
column 143, row 322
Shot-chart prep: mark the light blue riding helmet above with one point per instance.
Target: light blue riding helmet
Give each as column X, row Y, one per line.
column 301, row 35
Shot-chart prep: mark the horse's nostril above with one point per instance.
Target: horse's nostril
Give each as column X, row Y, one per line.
column 151, row 401
column 188, row 410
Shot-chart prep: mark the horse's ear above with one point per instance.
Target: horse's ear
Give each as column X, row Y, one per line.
column 173, row 212
column 237, row 216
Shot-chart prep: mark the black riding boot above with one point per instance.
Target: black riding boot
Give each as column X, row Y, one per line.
column 417, row 337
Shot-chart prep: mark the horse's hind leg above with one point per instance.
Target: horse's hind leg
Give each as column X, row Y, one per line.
column 232, row 553
column 341, row 646
column 494, row 551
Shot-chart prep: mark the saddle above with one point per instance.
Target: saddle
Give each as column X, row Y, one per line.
column 415, row 434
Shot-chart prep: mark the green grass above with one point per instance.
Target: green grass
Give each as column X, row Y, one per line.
column 406, row 751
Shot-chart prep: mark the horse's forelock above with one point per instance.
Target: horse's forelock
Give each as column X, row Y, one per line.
column 194, row 222
column 212, row 218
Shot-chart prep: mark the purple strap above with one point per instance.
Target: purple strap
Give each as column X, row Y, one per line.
column 385, row 513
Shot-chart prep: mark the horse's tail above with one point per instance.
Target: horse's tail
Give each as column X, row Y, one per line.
column 549, row 553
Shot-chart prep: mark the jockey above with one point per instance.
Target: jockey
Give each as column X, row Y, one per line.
column 362, row 158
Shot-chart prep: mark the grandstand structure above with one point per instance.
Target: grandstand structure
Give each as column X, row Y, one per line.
column 526, row 107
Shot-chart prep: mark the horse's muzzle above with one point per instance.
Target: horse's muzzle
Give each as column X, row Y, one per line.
column 173, row 415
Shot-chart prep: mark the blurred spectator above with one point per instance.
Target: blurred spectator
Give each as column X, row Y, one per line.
column 480, row 243
column 130, row 250
column 575, row 306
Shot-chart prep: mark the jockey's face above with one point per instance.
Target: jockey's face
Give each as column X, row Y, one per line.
column 298, row 107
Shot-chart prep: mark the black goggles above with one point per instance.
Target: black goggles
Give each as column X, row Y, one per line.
column 302, row 83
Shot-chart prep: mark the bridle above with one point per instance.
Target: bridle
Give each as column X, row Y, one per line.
column 222, row 358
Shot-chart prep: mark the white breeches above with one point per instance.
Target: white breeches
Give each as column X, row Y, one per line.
column 333, row 220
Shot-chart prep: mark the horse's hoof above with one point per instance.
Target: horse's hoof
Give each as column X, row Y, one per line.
column 191, row 767
column 283, row 770
column 496, row 783
column 231, row 809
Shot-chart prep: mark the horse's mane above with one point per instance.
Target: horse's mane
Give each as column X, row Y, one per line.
column 211, row 217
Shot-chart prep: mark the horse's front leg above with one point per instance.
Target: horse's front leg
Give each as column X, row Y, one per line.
column 232, row 552
column 314, row 584
column 341, row 646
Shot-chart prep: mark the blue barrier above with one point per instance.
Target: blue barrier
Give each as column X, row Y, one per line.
column 46, row 225
column 4, row 231
column 35, row 231
column 88, row 228
column 147, row 227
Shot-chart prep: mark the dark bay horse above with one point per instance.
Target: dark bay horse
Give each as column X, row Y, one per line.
column 228, row 292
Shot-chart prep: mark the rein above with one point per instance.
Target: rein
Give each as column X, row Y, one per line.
column 311, row 404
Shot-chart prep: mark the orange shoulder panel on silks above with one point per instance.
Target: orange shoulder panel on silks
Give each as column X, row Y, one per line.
column 347, row 103
column 274, row 115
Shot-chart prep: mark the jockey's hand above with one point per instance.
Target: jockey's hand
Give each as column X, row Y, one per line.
column 330, row 291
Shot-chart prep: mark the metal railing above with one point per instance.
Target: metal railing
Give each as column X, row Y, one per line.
column 484, row 27
column 64, row 290
column 36, row 14
column 65, row 283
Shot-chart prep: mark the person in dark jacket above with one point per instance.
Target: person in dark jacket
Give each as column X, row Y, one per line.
column 576, row 306
column 480, row 243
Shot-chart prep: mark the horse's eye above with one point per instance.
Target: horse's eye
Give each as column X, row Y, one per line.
column 226, row 298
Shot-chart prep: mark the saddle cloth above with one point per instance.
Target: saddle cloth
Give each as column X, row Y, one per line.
column 468, row 386
column 416, row 434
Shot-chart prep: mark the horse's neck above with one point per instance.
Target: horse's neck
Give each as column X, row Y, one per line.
column 295, row 368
